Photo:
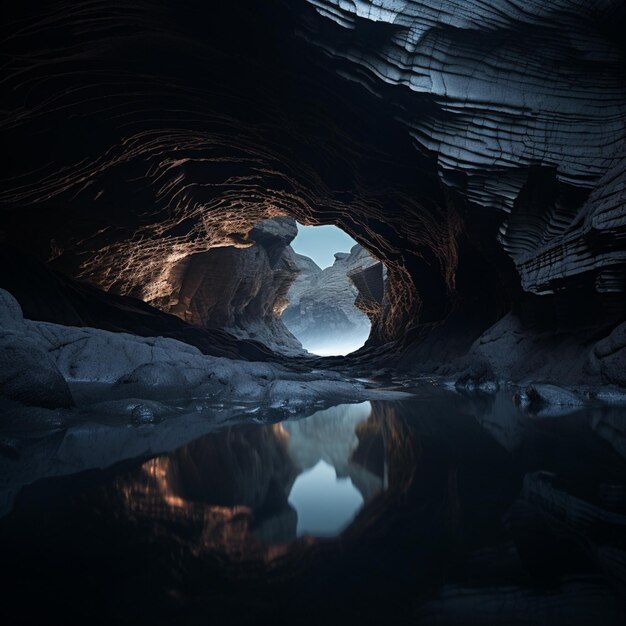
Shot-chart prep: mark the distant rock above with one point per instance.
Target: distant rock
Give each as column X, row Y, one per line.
column 322, row 312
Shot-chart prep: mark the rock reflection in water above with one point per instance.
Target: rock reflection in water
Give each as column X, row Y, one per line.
column 249, row 490
column 325, row 503
column 473, row 512
column 334, row 483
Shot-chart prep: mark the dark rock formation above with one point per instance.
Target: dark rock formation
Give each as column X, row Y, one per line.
column 487, row 89
column 212, row 166
column 27, row 372
column 156, row 155
column 39, row 359
column 609, row 357
column 321, row 311
column 369, row 281
column 185, row 126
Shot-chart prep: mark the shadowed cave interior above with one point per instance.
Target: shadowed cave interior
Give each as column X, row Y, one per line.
column 173, row 370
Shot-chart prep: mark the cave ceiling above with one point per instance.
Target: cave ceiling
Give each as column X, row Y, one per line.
column 446, row 137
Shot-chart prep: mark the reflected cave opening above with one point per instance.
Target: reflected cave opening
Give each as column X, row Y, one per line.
column 337, row 283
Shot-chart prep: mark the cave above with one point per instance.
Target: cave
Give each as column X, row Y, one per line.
column 167, row 401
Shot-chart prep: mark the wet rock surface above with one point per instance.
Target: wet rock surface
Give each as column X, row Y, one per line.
column 42, row 358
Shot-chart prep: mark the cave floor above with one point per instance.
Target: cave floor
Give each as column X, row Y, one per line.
column 438, row 508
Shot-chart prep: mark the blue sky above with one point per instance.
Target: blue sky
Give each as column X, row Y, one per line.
column 321, row 242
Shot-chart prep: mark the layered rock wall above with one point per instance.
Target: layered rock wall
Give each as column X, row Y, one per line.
column 142, row 135
column 494, row 92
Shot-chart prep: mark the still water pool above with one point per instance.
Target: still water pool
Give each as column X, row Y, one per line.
column 438, row 509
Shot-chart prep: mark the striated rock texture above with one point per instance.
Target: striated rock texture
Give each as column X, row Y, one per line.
column 322, row 312
column 513, row 99
column 369, row 281
column 179, row 137
column 49, row 296
column 240, row 290
column 476, row 149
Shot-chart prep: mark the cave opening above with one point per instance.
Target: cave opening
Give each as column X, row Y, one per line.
column 326, row 309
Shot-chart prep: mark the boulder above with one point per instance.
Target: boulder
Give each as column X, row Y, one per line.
column 28, row 373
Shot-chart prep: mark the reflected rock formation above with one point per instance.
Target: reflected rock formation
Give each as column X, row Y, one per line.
column 239, row 489
column 460, row 520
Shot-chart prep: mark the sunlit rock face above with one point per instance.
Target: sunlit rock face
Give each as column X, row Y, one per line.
column 322, row 312
column 477, row 150
column 241, row 290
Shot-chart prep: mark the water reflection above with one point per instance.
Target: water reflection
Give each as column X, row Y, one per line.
column 324, row 503
column 251, row 489
column 449, row 509
column 334, row 480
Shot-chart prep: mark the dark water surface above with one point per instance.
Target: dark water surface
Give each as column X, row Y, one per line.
column 441, row 509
